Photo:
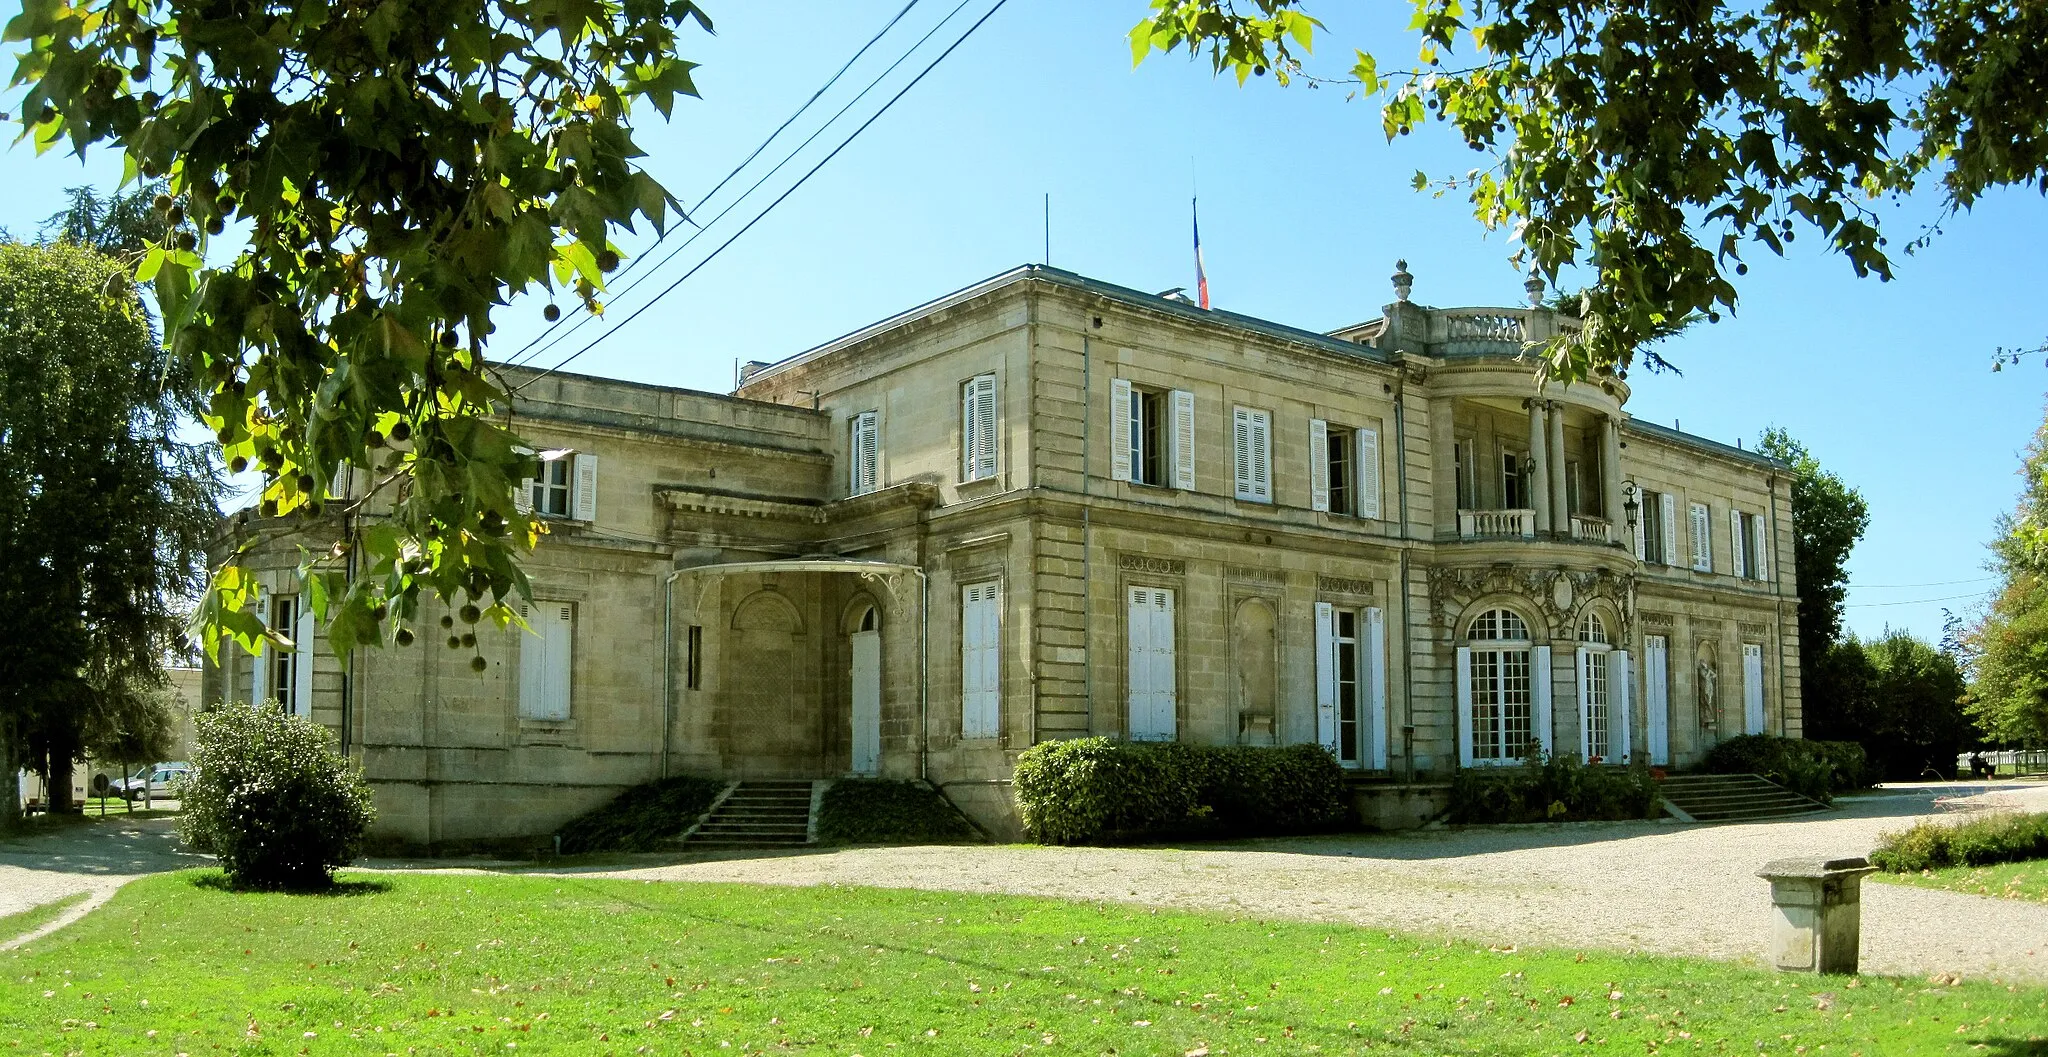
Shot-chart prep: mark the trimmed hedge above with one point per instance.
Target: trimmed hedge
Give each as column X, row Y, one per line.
column 1813, row 769
column 1558, row 789
column 647, row 817
column 882, row 811
column 272, row 798
column 1988, row 841
column 1097, row 791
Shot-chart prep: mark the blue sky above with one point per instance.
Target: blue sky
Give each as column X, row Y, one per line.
column 1305, row 207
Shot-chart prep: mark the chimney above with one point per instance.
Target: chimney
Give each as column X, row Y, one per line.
column 751, row 368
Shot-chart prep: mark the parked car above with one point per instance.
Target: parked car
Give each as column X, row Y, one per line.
column 151, row 781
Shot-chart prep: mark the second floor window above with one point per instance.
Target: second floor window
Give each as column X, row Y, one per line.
column 1252, row 433
column 551, row 489
column 1702, row 538
column 1514, row 481
column 864, row 453
column 1656, row 542
column 565, row 487
column 1344, row 469
column 978, row 428
column 1152, row 435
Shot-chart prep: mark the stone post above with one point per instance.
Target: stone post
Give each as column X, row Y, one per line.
column 1610, row 479
column 1816, row 912
column 1538, row 474
column 1560, row 510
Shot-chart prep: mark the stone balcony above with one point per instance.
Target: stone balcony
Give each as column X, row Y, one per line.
column 1521, row 524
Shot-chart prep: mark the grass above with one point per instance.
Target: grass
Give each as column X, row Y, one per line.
column 414, row 963
column 35, row 917
column 2026, row 881
column 879, row 811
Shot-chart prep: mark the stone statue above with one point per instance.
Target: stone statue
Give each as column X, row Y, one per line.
column 1710, row 711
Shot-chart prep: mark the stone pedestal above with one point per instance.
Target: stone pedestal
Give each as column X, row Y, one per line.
column 1816, row 913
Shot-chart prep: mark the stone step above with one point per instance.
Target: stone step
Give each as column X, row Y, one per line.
column 768, row 814
column 1734, row 798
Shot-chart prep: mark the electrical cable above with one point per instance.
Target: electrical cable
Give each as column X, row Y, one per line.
column 737, row 169
column 670, row 288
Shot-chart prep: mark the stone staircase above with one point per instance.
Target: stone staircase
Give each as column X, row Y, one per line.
column 763, row 814
column 1732, row 798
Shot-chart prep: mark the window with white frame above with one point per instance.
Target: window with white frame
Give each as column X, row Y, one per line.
column 1252, row 453
column 981, row 610
column 864, row 453
column 1746, row 531
column 564, row 488
column 1656, row 539
column 1351, row 689
column 1344, row 469
column 1499, row 686
column 978, row 428
column 1595, row 716
column 1466, row 471
column 1152, row 435
column 546, row 661
column 284, row 666
column 1151, row 670
column 1514, row 481
column 1702, row 538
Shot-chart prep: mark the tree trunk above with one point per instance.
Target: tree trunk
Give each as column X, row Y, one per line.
column 10, row 771
column 63, row 754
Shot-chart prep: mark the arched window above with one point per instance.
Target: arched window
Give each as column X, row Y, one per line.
column 1501, row 708
column 1596, row 727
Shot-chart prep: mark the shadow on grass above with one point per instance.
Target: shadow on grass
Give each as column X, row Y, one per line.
column 216, row 881
column 2014, row 1047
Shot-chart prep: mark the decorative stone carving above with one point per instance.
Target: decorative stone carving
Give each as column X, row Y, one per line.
column 1144, row 563
column 1254, row 574
column 1339, row 585
column 1656, row 621
column 1559, row 596
column 1752, row 632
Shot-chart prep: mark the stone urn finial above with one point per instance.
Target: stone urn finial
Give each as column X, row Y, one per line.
column 1403, row 282
column 1534, row 285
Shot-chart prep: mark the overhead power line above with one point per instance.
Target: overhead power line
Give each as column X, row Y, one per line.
column 765, row 177
column 813, row 171
column 1937, row 583
column 1912, row 602
column 737, row 169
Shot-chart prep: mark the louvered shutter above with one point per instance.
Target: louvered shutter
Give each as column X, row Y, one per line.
column 533, row 663
column 1702, row 539
column 583, row 474
column 1241, row 446
column 978, row 428
column 1657, row 698
column 1138, row 621
column 338, row 487
column 1376, row 687
column 1752, row 688
column 1539, row 695
column 1620, row 706
column 1642, row 532
column 1464, row 690
column 1183, row 439
column 980, row 610
column 1761, row 563
column 1318, row 464
column 1262, row 455
column 1367, row 452
column 1738, row 560
column 865, row 449
column 259, row 660
column 1120, row 432
column 1326, row 676
column 522, row 500
column 302, row 661
column 1165, row 695
column 1587, row 750
column 1667, row 524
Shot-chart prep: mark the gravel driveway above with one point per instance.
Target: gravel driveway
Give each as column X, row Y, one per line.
column 97, row 857
column 1659, row 887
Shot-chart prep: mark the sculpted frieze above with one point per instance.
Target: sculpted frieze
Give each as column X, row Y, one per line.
column 1556, row 596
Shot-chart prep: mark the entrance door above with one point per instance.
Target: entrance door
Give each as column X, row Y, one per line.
column 1657, row 696
column 867, row 699
column 1153, row 700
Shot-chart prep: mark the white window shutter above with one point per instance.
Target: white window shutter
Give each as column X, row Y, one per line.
column 1761, row 545
column 561, row 661
column 1376, row 687
column 1241, row 447
column 584, row 501
column 1326, row 676
column 1366, row 450
column 1120, row 432
column 533, row 663
column 1738, row 559
column 1620, row 707
column 259, row 661
column 522, row 500
column 1318, row 464
column 1138, row 663
column 970, row 430
column 1642, row 535
column 338, row 487
column 1587, row 749
column 1702, row 539
column 1464, row 687
column 1262, row 455
column 864, row 451
column 1184, row 439
column 1539, row 695
column 1165, row 680
column 979, row 673
column 302, row 662
column 978, row 428
column 1752, row 688
column 1667, row 508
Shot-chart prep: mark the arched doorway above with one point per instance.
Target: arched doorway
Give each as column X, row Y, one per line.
column 866, row 692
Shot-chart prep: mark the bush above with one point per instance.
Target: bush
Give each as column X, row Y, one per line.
column 646, row 817
column 272, row 799
column 1557, row 789
column 880, row 811
column 1813, row 769
column 1097, row 790
column 1988, row 841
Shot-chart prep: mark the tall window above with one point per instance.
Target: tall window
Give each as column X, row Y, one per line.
column 1595, row 713
column 551, row 489
column 864, row 453
column 1655, row 531
column 1746, row 536
column 1339, row 466
column 1252, row 440
column 1514, row 481
column 1466, row 468
column 1152, row 435
column 1344, row 469
column 980, row 659
column 284, row 667
column 693, row 658
column 1151, row 671
column 546, row 660
column 978, row 428
column 1502, row 687
column 1702, row 539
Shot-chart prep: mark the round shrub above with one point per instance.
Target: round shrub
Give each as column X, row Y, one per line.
column 272, row 799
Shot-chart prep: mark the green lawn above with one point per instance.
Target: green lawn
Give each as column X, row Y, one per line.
column 2014, row 880
column 12, row 925
column 419, row 964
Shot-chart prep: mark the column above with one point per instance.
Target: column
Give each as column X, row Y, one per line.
column 1539, row 472
column 1560, row 512
column 1610, row 479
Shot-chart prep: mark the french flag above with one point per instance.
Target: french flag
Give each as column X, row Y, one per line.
column 1201, row 273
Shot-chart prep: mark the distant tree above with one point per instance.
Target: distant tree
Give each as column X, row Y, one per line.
column 1917, row 714
column 1828, row 518
column 2008, row 646
column 107, row 511
column 122, row 224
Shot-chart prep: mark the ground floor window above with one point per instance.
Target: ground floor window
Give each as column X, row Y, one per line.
column 980, row 659
column 1752, row 688
column 1151, row 674
column 546, row 659
column 1498, row 684
column 1351, row 684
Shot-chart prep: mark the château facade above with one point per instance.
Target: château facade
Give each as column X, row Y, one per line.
column 1049, row 507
